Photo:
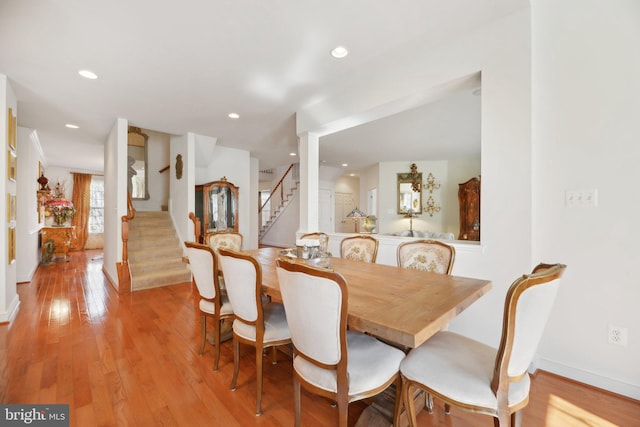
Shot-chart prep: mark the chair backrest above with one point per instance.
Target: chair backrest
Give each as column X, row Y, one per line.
column 203, row 264
column 224, row 239
column 526, row 310
column 197, row 227
column 243, row 280
column 428, row 255
column 314, row 236
column 315, row 301
column 359, row 248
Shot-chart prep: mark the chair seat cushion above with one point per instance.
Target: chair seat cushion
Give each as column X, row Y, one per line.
column 225, row 306
column 371, row 363
column 461, row 369
column 275, row 325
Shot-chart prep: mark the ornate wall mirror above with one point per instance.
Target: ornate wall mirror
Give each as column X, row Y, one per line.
column 410, row 191
column 137, row 145
column 220, row 200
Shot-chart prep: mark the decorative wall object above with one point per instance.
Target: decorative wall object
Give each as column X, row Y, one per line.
column 410, row 191
column 11, row 207
column 431, row 207
column 11, row 129
column 179, row 166
column 431, row 184
column 11, row 245
column 12, row 163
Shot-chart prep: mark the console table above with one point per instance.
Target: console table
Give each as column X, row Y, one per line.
column 56, row 242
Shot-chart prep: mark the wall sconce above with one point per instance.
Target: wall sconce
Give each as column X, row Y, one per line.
column 431, row 207
column 431, row 184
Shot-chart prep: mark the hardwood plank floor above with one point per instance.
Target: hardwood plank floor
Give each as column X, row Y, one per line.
column 133, row 360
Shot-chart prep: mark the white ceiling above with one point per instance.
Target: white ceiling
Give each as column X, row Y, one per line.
column 180, row 67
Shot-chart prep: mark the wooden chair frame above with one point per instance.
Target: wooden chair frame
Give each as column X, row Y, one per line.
column 342, row 397
column 259, row 343
column 315, row 235
column 365, row 238
column 217, row 317
column 450, row 248
column 505, row 415
column 208, row 234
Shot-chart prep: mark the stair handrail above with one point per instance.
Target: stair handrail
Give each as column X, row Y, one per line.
column 196, row 226
column 124, row 278
column 278, row 185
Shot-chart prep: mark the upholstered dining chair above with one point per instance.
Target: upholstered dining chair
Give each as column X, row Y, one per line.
column 359, row 248
column 479, row 378
column 314, row 236
column 258, row 323
column 329, row 360
column 223, row 239
column 213, row 304
column 428, row 255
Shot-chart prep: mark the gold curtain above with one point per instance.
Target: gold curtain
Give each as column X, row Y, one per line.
column 82, row 202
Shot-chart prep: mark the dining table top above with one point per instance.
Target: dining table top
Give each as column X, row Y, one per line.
column 403, row 306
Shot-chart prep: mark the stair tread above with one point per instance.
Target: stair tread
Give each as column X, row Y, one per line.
column 155, row 251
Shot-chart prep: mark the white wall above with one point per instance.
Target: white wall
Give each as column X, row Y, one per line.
column 586, row 128
column 183, row 190
column 580, row 130
column 502, row 53
column 236, row 166
column 157, row 159
column 60, row 175
column 28, row 228
column 115, row 197
column 9, row 300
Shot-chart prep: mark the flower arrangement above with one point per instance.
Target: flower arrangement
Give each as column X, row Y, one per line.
column 60, row 209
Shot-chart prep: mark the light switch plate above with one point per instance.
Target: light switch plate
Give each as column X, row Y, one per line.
column 581, row 198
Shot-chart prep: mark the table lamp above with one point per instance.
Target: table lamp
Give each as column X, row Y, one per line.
column 357, row 215
column 410, row 214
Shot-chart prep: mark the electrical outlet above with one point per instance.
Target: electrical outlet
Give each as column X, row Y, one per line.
column 617, row 335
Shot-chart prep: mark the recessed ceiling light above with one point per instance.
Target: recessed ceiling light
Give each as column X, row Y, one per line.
column 88, row 74
column 292, row 154
column 234, row 115
column 70, row 126
column 345, row 165
column 352, row 174
column 339, row 52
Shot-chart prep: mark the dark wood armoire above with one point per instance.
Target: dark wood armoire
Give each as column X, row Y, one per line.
column 469, row 198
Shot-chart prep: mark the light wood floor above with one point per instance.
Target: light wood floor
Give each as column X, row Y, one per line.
column 133, row 360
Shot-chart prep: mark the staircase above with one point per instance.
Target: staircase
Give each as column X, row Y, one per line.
column 277, row 210
column 155, row 252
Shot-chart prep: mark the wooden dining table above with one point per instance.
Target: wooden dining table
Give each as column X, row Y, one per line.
column 402, row 306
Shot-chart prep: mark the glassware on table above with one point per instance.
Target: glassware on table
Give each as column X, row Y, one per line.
column 324, row 240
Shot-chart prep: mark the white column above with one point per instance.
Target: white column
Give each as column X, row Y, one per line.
column 309, row 150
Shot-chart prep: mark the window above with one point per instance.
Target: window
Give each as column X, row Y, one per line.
column 96, row 210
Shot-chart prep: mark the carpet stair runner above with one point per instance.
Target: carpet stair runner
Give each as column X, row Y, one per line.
column 155, row 251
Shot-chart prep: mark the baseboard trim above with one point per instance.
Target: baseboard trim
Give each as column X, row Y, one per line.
column 12, row 311
column 595, row 380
